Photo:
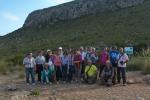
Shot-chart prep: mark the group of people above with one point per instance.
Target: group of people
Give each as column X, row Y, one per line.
column 77, row 65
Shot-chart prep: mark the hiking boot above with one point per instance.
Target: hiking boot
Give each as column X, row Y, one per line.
column 124, row 84
column 27, row 84
column 33, row 84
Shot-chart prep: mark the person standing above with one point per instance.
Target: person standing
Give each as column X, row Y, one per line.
column 71, row 74
column 77, row 63
column 113, row 54
column 83, row 54
column 122, row 61
column 94, row 56
column 104, row 56
column 29, row 63
column 40, row 61
column 65, row 66
column 57, row 64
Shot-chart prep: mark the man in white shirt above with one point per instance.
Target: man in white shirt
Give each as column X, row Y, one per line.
column 40, row 61
column 29, row 63
column 122, row 61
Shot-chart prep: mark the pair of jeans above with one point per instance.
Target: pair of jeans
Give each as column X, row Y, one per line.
column 114, row 70
column 83, row 68
column 101, row 69
column 30, row 72
column 71, row 73
column 39, row 70
column 121, row 73
column 64, row 72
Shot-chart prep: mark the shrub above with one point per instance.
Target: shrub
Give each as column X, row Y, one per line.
column 3, row 67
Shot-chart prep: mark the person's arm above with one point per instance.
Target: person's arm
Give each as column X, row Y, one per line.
column 34, row 64
column 127, row 59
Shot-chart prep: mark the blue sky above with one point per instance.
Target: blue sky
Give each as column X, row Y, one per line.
column 14, row 12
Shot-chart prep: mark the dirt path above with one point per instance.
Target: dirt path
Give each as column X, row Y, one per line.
column 139, row 91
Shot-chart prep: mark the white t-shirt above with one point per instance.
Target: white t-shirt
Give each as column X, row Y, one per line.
column 122, row 58
column 29, row 62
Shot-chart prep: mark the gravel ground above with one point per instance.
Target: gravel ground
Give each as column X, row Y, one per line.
column 138, row 91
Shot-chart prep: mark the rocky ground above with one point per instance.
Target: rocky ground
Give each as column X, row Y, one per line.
column 137, row 89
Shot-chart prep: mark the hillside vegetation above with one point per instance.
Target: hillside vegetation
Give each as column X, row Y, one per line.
column 121, row 27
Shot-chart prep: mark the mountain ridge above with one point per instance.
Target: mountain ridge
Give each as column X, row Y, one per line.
column 75, row 9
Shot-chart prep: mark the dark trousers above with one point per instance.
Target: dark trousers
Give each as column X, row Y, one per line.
column 114, row 70
column 90, row 80
column 121, row 73
column 39, row 69
column 30, row 72
column 71, row 73
column 58, row 73
column 64, row 72
column 101, row 69
column 106, row 80
column 83, row 68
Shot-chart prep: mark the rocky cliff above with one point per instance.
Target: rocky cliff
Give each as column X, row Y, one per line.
column 75, row 9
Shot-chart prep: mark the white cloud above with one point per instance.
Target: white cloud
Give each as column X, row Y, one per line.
column 10, row 16
column 58, row 1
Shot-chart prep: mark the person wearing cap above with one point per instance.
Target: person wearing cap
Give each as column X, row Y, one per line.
column 29, row 63
column 60, row 51
column 40, row 60
column 107, row 74
column 48, row 55
column 94, row 56
column 90, row 74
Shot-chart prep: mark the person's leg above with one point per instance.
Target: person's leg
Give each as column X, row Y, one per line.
column 114, row 75
column 44, row 78
column 82, row 68
column 118, row 74
column 27, row 75
column 79, row 71
column 101, row 69
column 32, row 75
column 70, row 74
column 57, row 73
column 63, row 72
column 37, row 71
column 76, row 71
column 123, row 73
column 39, row 74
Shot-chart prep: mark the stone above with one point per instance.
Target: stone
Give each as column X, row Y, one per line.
column 75, row 9
column 146, row 79
column 12, row 87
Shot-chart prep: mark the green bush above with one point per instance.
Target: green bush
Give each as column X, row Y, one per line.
column 15, row 60
column 4, row 68
column 35, row 92
column 146, row 66
column 135, row 64
column 139, row 63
